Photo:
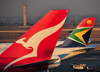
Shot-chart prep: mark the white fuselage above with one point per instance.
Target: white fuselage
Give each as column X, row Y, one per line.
column 59, row 42
column 5, row 45
column 70, row 52
column 59, row 51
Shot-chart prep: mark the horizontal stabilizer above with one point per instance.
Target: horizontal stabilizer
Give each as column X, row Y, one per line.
column 90, row 39
column 94, row 46
column 88, row 48
column 41, row 63
column 63, row 55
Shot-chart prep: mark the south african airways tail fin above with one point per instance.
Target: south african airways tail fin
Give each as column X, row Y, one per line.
column 80, row 36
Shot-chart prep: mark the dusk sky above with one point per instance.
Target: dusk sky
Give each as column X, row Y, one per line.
column 41, row 7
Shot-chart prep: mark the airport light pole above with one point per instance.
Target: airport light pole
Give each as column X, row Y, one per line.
column 24, row 14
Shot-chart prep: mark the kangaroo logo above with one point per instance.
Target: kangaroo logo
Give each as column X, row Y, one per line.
column 25, row 44
column 37, row 39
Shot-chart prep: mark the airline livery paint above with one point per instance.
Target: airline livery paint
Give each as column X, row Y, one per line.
column 80, row 36
column 35, row 45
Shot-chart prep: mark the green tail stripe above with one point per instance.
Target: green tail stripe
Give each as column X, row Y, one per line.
column 73, row 36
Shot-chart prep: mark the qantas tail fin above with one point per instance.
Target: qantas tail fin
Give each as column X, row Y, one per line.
column 80, row 36
column 40, row 40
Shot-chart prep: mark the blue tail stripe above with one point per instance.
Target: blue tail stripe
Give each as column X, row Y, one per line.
column 93, row 46
column 63, row 55
column 64, row 39
column 70, row 43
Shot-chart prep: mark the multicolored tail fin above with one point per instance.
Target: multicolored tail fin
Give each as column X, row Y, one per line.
column 80, row 36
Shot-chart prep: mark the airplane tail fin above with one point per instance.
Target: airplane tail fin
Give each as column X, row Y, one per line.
column 80, row 36
column 41, row 39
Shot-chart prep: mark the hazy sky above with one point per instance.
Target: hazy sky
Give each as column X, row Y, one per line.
column 41, row 7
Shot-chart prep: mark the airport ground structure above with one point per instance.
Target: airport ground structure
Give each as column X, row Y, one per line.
column 11, row 34
column 92, row 58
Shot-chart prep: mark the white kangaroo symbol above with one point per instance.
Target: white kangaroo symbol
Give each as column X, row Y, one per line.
column 37, row 39
column 25, row 44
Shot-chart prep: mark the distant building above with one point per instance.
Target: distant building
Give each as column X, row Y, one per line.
column 24, row 14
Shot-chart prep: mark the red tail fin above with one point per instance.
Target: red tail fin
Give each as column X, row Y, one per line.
column 40, row 40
